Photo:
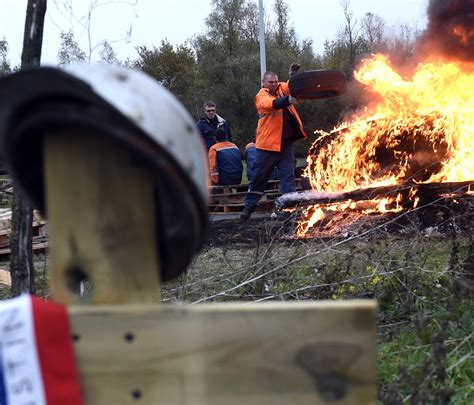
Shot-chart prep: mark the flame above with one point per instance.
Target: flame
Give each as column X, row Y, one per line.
column 327, row 214
column 419, row 128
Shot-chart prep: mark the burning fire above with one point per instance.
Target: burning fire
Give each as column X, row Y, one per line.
column 419, row 128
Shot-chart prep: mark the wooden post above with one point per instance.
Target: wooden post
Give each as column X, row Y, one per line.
column 101, row 222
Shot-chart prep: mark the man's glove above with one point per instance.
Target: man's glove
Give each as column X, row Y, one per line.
column 294, row 67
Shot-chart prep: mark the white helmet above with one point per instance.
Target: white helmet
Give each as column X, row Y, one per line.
column 130, row 107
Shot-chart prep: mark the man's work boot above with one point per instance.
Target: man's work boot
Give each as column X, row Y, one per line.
column 246, row 213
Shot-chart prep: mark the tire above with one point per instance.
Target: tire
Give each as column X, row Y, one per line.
column 314, row 84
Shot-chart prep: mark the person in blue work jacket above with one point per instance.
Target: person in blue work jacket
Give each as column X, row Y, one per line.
column 225, row 162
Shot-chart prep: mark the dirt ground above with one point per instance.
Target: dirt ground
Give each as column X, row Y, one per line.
column 443, row 217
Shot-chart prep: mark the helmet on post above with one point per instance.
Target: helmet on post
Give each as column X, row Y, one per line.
column 133, row 109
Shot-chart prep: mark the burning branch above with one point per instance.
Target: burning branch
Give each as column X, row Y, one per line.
column 425, row 192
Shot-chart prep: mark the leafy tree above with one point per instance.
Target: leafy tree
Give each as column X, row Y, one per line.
column 69, row 49
column 228, row 64
column 4, row 64
column 223, row 63
column 228, row 59
column 283, row 46
column 175, row 69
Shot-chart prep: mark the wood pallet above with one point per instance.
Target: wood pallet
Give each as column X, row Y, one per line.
column 230, row 199
column 39, row 232
column 263, row 206
column 5, row 277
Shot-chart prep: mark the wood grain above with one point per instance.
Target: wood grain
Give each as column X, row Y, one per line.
column 210, row 354
column 5, row 277
column 100, row 207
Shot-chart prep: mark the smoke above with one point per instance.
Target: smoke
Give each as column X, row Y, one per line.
column 450, row 29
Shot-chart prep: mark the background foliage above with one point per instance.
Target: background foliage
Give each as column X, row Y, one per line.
column 223, row 64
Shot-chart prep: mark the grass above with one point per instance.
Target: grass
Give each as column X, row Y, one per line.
column 425, row 318
column 423, row 284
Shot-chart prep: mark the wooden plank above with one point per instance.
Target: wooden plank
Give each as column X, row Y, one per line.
column 5, row 277
column 5, row 225
column 271, row 185
column 263, row 206
column 111, row 232
column 241, row 194
column 239, row 197
column 228, row 189
column 36, row 246
column 214, row 354
column 234, row 202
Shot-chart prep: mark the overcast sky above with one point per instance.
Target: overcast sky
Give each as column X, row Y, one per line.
column 151, row 21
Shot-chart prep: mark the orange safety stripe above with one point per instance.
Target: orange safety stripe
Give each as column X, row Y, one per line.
column 212, row 155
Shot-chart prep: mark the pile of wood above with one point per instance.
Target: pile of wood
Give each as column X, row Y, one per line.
column 230, row 199
column 40, row 231
column 435, row 207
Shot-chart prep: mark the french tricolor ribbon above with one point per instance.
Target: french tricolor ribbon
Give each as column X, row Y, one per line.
column 37, row 365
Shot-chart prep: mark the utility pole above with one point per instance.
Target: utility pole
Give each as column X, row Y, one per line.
column 261, row 31
column 21, row 257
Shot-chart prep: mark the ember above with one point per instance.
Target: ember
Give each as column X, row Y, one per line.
column 419, row 129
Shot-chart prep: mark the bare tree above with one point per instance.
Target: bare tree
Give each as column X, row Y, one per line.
column 85, row 22
column 21, row 265
column 351, row 33
column 373, row 31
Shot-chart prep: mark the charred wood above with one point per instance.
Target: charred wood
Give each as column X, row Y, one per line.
column 426, row 192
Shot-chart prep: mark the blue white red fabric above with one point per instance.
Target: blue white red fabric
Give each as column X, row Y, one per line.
column 37, row 365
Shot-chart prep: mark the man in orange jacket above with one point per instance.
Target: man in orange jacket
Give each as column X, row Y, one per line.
column 279, row 125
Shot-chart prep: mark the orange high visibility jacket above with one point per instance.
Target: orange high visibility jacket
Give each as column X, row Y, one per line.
column 270, row 122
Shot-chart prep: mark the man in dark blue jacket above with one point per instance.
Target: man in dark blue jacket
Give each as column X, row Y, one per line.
column 225, row 161
column 210, row 122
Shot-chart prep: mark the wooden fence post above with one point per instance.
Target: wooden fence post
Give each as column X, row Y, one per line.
column 100, row 218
